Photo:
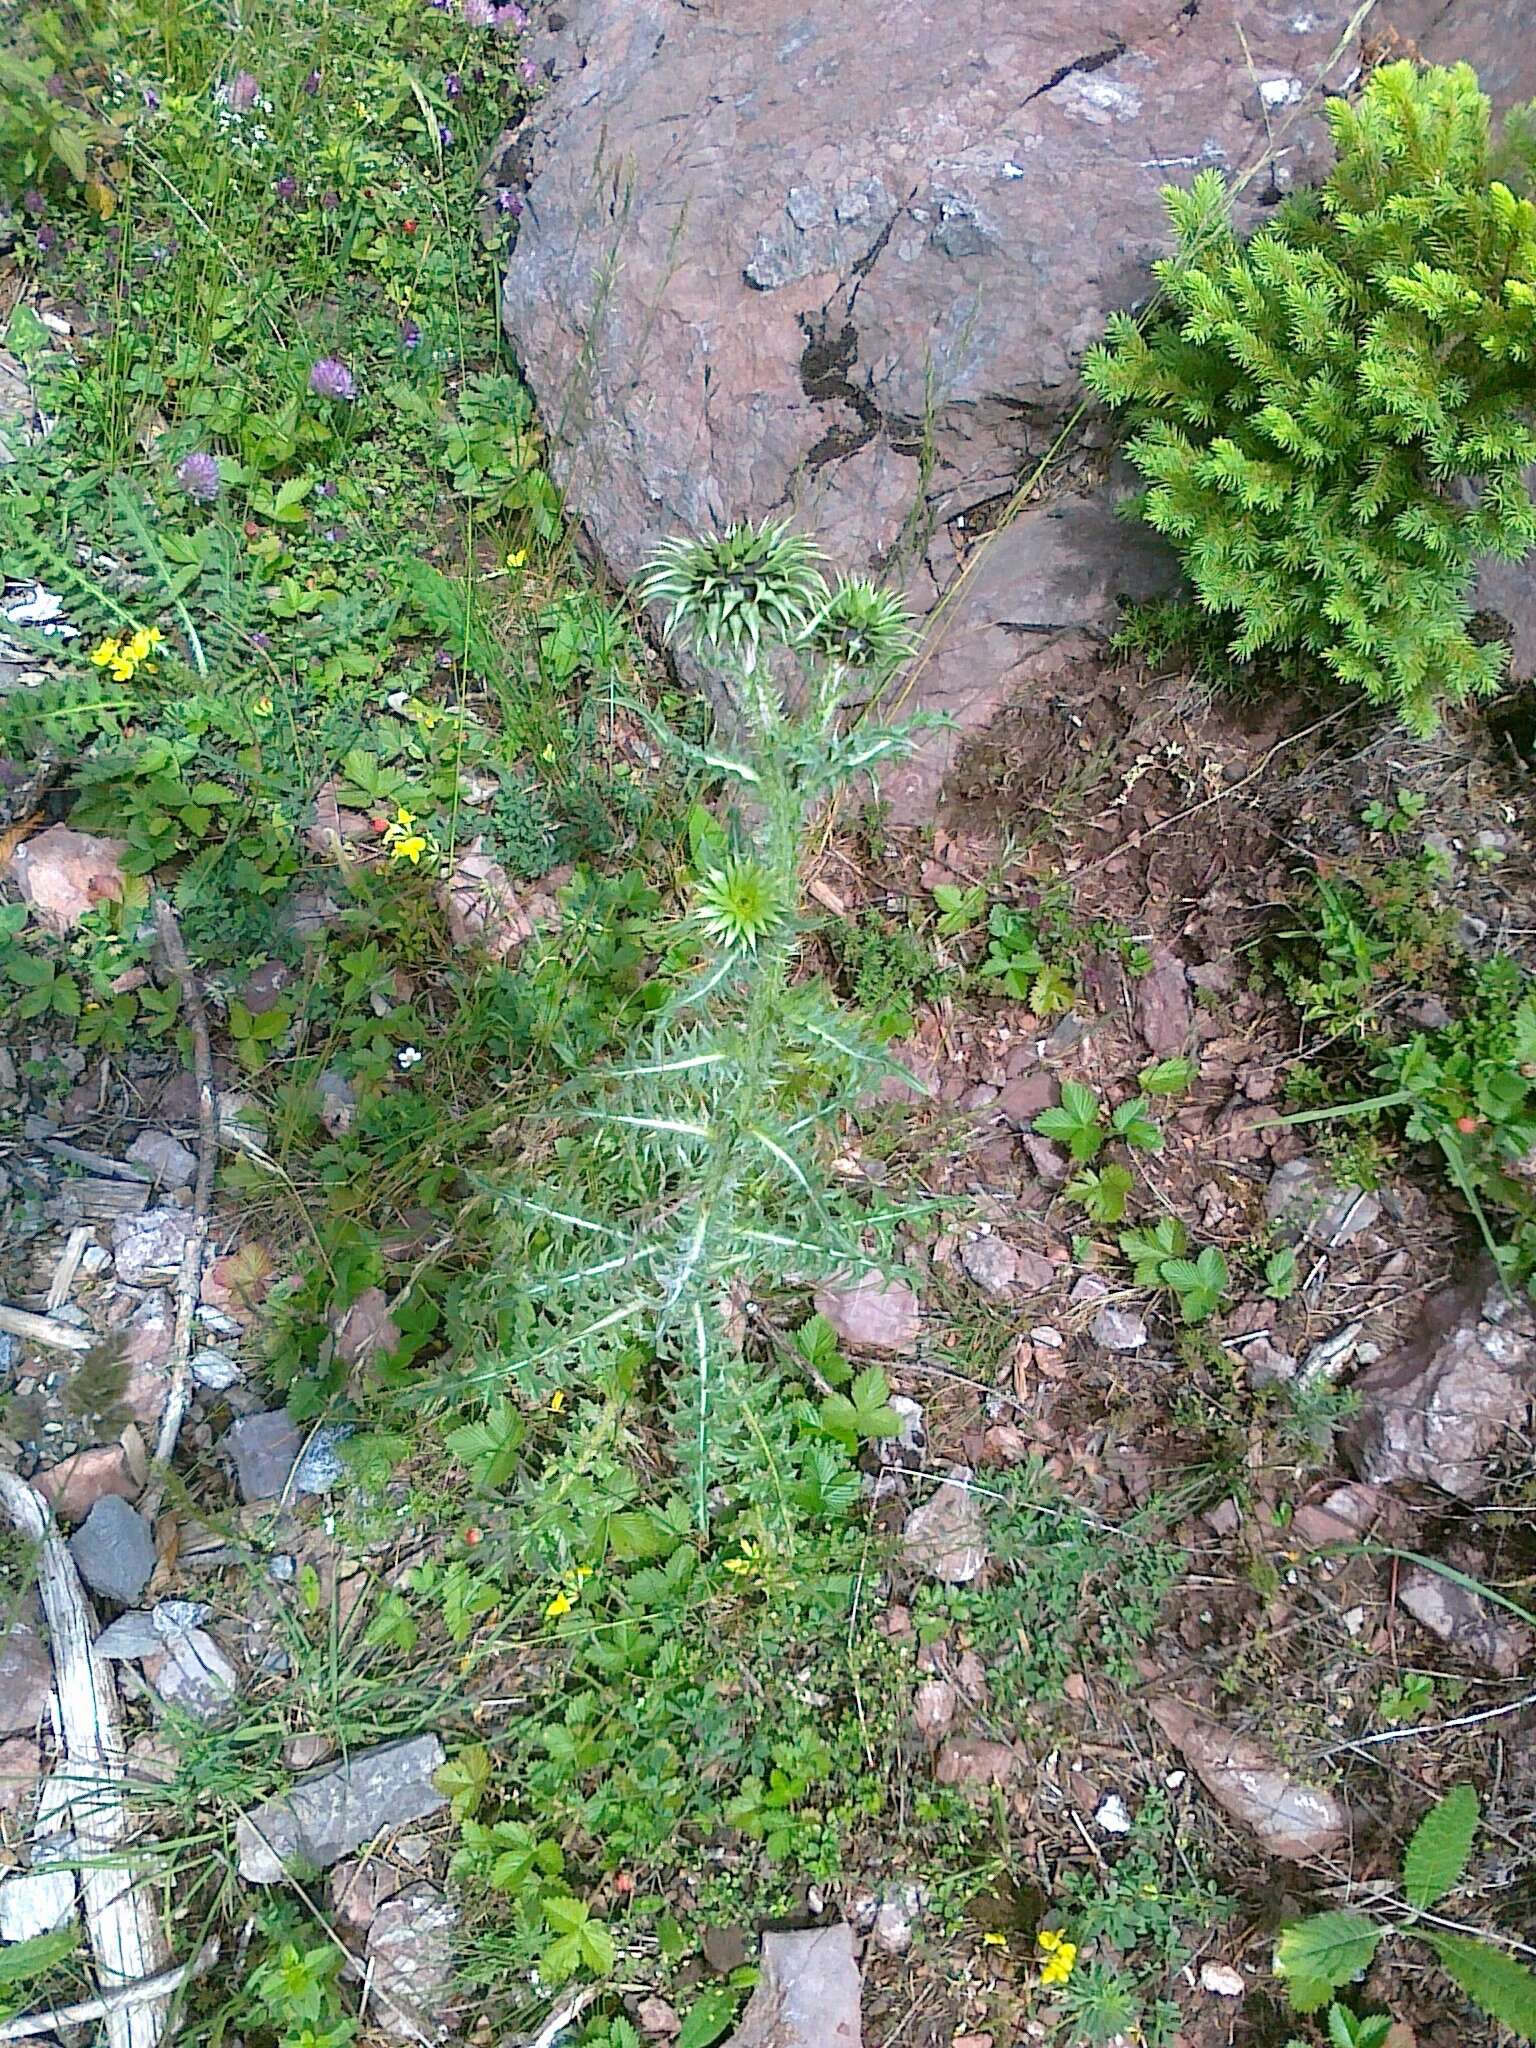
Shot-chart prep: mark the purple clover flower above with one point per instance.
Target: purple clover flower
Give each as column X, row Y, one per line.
column 443, row 658
column 511, row 20
column 311, row 85
column 410, row 334
column 151, row 99
column 329, row 201
column 46, row 238
column 508, row 201
column 479, row 13
column 33, row 204
column 328, row 488
column 330, row 378
column 240, row 93
column 286, row 186
column 261, row 642
column 198, row 475
column 453, row 85
column 528, row 71
column 444, row 135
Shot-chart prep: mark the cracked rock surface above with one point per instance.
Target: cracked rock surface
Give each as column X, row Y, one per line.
column 844, row 262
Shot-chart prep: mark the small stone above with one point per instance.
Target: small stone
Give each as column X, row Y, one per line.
column 992, row 1264
column 1163, row 1011
column 1455, row 1399
column 215, row 1370
column 807, row 1993
column 410, row 1957
column 304, row 1752
column 264, row 1449
column 482, row 907
column 172, row 1165
column 658, row 2019
column 933, row 1708
column 1221, row 1980
column 73, row 1487
column 338, row 1102
column 64, row 874
column 947, row 1536
column 1116, row 1329
column 20, row 1762
column 320, row 1464
column 193, row 1675
column 1023, row 1098
column 872, row 1313
column 1034, row 1272
column 26, row 1679
column 1288, row 1817
column 1464, row 1620
column 895, row 1915
column 1048, row 1160
column 358, row 1887
column 1302, row 1201
column 114, row 1550
column 322, row 1818
column 967, row 1760
column 148, row 1247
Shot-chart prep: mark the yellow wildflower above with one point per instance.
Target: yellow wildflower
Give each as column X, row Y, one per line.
column 994, row 1941
column 557, row 1400
column 411, row 847
column 404, row 819
column 516, row 558
column 748, row 1563
column 109, row 651
column 556, row 1607
column 143, row 643
column 1060, row 1955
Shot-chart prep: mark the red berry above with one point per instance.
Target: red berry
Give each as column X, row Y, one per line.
column 1468, row 1124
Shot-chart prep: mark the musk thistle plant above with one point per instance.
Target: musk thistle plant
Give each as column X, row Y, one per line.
column 691, row 1179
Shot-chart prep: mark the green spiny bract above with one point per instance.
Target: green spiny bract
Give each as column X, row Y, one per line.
column 1334, row 417
column 691, row 1177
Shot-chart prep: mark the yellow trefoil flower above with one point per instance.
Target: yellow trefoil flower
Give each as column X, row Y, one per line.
column 410, row 848
column 516, row 558
column 123, row 657
column 556, row 1607
column 749, row 1561
column 404, row 819
column 994, row 1941
column 1060, row 1955
column 557, row 1400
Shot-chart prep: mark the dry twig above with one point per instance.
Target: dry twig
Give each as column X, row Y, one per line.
column 120, row 1914
column 189, row 1282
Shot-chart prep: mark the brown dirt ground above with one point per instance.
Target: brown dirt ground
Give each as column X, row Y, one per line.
column 1189, row 825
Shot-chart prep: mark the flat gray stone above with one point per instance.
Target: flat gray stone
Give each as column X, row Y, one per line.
column 947, row 1536
column 410, row 1950
column 26, row 1679
column 191, row 1673
column 323, row 1818
column 148, row 1247
column 263, row 1449
column 165, row 1157
column 114, row 1550
column 807, row 1993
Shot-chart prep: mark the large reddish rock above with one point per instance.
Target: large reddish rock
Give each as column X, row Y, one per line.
column 843, row 263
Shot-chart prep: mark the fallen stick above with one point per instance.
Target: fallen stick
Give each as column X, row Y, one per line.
column 35, row 1329
column 190, row 1280
column 120, row 1915
column 146, row 1992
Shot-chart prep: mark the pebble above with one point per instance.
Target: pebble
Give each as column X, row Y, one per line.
column 1117, row 1329
column 320, row 1465
column 264, row 1449
column 215, row 1370
column 114, row 1550
column 992, row 1264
